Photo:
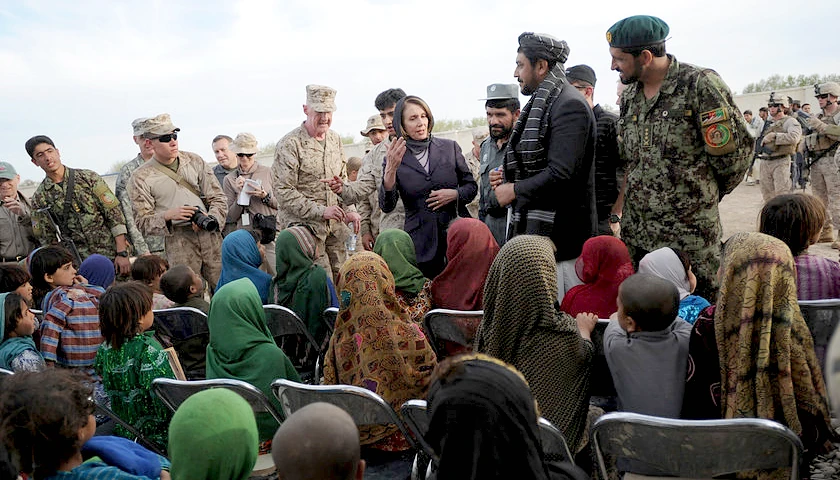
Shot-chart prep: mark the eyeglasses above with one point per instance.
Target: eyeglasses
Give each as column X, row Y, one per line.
column 167, row 138
column 823, row 96
column 249, row 155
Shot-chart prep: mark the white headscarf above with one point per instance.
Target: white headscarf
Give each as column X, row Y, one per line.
column 665, row 263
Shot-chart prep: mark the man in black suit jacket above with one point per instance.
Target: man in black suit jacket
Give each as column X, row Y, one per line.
column 548, row 175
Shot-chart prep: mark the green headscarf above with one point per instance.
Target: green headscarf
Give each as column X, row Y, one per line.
column 14, row 346
column 213, row 435
column 300, row 284
column 397, row 248
column 241, row 346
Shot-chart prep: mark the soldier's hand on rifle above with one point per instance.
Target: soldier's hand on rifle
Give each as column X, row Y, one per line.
column 769, row 138
column 817, row 124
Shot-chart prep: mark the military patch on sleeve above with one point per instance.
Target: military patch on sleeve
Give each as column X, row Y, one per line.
column 713, row 116
column 717, row 135
column 105, row 196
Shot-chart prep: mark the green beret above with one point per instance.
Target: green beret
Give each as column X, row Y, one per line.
column 637, row 31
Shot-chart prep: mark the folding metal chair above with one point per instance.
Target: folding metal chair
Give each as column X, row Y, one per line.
column 138, row 437
column 694, row 448
column 822, row 317
column 186, row 330
column 329, row 316
column 292, row 336
column 3, row 371
column 451, row 332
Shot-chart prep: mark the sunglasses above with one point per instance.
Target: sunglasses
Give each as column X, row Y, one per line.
column 249, row 155
column 824, row 95
column 167, row 138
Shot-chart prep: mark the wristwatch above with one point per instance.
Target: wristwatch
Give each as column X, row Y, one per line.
column 124, row 253
column 615, row 218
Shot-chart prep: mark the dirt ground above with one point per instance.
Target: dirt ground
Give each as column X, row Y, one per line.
column 739, row 213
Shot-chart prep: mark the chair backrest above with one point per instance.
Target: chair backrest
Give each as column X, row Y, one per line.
column 364, row 406
column 554, row 445
column 451, row 332
column 292, row 336
column 329, row 316
column 695, row 448
column 174, row 392
column 822, row 317
column 185, row 329
column 3, row 371
column 416, row 418
column 138, row 437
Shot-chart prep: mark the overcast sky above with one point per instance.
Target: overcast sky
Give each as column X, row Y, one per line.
column 81, row 71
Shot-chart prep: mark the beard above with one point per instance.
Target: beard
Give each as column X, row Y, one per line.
column 527, row 91
column 501, row 132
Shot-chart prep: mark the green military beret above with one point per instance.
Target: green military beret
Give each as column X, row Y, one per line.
column 637, row 31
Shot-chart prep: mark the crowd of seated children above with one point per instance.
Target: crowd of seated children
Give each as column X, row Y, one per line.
column 184, row 288
column 148, row 269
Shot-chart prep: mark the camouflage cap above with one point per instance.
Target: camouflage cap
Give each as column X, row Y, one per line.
column 373, row 123
column 776, row 99
column 160, row 125
column 502, row 91
column 7, row 171
column 139, row 125
column 637, row 31
column 480, row 133
column 831, row 88
column 320, row 98
column 244, row 143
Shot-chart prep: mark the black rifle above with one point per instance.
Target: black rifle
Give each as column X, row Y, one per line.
column 760, row 150
column 64, row 241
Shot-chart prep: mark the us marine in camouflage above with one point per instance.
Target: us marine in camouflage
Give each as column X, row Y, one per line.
column 142, row 244
column 780, row 142
column 94, row 221
column 685, row 145
column 823, row 147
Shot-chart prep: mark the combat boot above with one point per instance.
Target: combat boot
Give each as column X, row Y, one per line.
column 827, row 235
column 836, row 244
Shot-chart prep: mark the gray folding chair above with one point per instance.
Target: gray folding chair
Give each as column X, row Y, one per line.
column 3, row 371
column 364, row 406
column 293, row 337
column 695, row 448
column 451, row 332
column 185, row 329
column 138, row 437
column 822, row 317
column 174, row 392
column 329, row 316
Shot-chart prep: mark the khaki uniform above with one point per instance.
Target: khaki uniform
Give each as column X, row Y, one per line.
column 825, row 169
column 366, row 186
column 300, row 162
column 16, row 236
column 94, row 221
column 775, row 170
column 474, row 164
column 267, row 207
column 152, row 193
column 152, row 244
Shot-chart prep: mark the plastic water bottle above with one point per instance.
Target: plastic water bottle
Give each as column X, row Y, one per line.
column 351, row 243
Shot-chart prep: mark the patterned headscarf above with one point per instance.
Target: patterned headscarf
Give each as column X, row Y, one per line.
column 767, row 360
column 523, row 326
column 375, row 345
column 526, row 155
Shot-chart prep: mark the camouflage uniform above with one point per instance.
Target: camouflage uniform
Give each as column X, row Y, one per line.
column 152, row 243
column 825, row 169
column 367, row 186
column 152, row 193
column 775, row 169
column 678, row 168
column 95, row 220
column 474, row 164
column 16, row 236
column 300, row 162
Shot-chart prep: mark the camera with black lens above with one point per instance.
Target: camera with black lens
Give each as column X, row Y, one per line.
column 267, row 226
column 204, row 221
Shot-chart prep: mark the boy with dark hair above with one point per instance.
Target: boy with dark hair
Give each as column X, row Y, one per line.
column 646, row 346
column 184, row 287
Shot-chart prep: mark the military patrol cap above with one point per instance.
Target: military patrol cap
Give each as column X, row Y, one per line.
column 244, row 143
column 320, row 98
column 502, row 91
column 480, row 133
column 7, row 171
column 581, row 73
column 831, row 88
column 160, row 125
column 776, row 99
column 373, row 123
column 637, row 31
column 139, row 126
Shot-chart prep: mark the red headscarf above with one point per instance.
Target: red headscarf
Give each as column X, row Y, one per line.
column 603, row 264
column 470, row 249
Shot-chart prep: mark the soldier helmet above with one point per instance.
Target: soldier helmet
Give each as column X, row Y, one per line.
column 831, row 88
column 776, row 99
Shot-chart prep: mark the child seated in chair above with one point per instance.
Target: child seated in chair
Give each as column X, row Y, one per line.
column 48, row 428
column 130, row 358
column 184, row 287
column 646, row 346
column 148, row 269
column 18, row 352
column 14, row 278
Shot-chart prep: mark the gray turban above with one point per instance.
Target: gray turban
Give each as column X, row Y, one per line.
column 546, row 46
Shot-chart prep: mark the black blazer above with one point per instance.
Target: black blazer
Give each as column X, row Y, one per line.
column 447, row 169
